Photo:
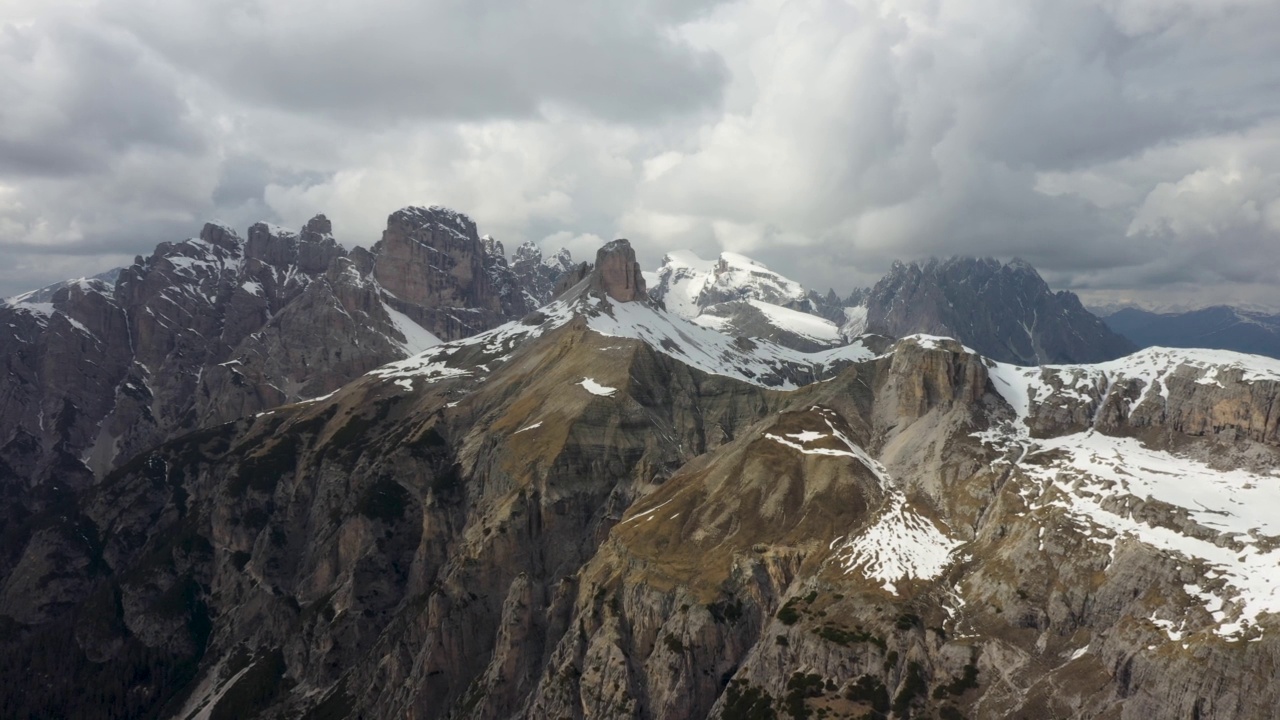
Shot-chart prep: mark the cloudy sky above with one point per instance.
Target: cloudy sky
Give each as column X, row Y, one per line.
column 1130, row 149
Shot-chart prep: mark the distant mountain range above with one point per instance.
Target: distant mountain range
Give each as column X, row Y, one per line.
column 1005, row 311
column 1220, row 327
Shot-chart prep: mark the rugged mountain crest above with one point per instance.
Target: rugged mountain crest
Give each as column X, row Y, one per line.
column 1005, row 311
column 212, row 328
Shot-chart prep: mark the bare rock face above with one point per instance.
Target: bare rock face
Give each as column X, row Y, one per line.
column 316, row 247
column 432, row 258
column 270, row 245
column 1004, row 311
column 617, row 274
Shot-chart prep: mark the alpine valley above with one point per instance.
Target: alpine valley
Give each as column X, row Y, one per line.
column 272, row 477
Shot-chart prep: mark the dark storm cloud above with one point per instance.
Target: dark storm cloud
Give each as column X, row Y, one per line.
column 1122, row 146
column 74, row 97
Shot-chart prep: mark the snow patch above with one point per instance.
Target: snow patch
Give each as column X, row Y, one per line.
column 596, row 388
column 900, row 545
column 803, row 324
column 416, row 337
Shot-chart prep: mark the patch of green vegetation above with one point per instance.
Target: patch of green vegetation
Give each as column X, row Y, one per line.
column 789, row 615
column 673, row 644
column 204, row 444
column 447, row 480
column 384, row 500
column 967, row 681
column 908, row 621
column 312, row 426
column 726, row 611
column 782, row 641
column 913, row 687
column 428, row 442
column 261, row 472
column 846, row 637
column 352, row 439
column 870, row 690
column 950, row 713
column 890, row 661
column 747, row 702
column 799, row 687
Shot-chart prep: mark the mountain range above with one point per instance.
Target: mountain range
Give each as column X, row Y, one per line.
column 1220, row 327
column 275, row 478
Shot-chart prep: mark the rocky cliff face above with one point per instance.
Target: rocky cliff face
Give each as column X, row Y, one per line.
column 617, row 274
column 1005, row 311
column 440, row 273
column 604, row 510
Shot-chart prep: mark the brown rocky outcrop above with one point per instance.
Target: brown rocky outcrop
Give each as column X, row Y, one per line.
column 432, row 258
column 618, row 274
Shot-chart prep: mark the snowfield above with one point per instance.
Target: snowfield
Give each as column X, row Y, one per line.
column 1084, row 473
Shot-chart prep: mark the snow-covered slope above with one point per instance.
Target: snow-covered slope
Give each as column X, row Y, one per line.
column 1223, row 521
column 759, row 362
column 737, row 295
column 687, row 284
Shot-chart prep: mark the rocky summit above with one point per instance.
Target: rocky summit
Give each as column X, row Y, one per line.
column 606, row 509
column 1004, row 310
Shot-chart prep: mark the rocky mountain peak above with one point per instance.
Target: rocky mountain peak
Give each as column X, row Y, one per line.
column 272, row 245
column 417, row 217
column 317, row 248
column 493, row 247
column 537, row 275
column 617, row 273
column 221, row 236
column 1005, row 311
column 318, row 225
column 433, row 258
column 560, row 261
column 528, row 251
